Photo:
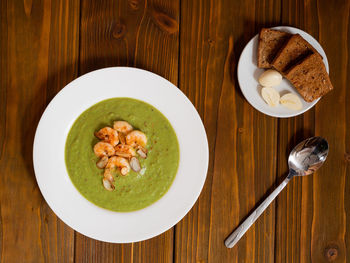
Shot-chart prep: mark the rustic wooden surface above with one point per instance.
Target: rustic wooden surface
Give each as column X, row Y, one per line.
column 196, row 45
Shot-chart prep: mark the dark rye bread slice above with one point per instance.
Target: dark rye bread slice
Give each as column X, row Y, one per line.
column 294, row 50
column 310, row 78
column 270, row 41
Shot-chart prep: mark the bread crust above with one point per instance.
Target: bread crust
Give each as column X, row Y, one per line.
column 270, row 41
column 293, row 51
column 310, row 78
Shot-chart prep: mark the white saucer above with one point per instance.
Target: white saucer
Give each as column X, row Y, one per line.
column 248, row 74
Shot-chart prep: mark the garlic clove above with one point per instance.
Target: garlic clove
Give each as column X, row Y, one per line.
column 270, row 96
column 141, row 153
column 108, row 184
column 291, row 101
column 135, row 164
column 102, row 162
column 270, row 78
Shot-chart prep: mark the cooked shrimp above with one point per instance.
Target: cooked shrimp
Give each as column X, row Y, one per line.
column 103, row 148
column 124, row 150
column 122, row 138
column 108, row 175
column 119, row 162
column 136, row 138
column 109, row 135
column 122, row 126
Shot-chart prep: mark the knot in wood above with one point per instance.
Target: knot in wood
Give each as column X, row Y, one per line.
column 165, row 22
column 240, row 130
column 118, row 30
column 347, row 157
column 134, row 4
column 331, row 253
column 211, row 42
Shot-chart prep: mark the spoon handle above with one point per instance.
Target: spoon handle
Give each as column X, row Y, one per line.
column 239, row 232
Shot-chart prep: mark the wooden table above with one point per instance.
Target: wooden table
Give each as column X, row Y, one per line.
column 196, row 45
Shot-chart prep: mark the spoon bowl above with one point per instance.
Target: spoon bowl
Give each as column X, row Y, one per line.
column 308, row 156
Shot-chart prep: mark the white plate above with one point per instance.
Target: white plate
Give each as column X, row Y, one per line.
column 248, row 74
column 56, row 186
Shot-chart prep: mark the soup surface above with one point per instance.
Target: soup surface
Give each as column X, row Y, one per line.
column 135, row 190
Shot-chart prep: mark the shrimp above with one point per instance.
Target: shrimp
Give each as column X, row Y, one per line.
column 136, row 138
column 103, row 148
column 108, row 175
column 119, row 162
column 109, row 135
column 122, row 126
column 122, row 138
column 124, row 150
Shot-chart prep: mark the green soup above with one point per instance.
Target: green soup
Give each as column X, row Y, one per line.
column 133, row 191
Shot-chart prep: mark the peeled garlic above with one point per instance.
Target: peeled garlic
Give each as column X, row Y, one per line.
column 270, row 78
column 291, row 101
column 135, row 164
column 142, row 154
column 107, row 184
column 271, row 96
column 102, row 162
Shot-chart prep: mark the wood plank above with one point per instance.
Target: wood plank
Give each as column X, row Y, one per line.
column 331, row 186
column 294, row 202
column 294, row 205
column 311, row 211
column 293, row 220
column 242, row 165
column 129, row 33
column 39, row 48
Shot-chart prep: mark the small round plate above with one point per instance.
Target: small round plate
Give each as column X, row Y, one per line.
column 56, row 186
column 248, row 74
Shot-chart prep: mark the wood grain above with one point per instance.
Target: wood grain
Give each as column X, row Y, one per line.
column 304, row 211
column 293, row 222
column 39, row 51
column 213, row 35
column 330, row 211
column 196, row 45
column 129, row 33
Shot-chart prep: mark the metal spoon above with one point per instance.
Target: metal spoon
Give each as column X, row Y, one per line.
column 304, row 159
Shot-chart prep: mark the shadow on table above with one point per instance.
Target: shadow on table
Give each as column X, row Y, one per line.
column 30, row 119
column 34, row 108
